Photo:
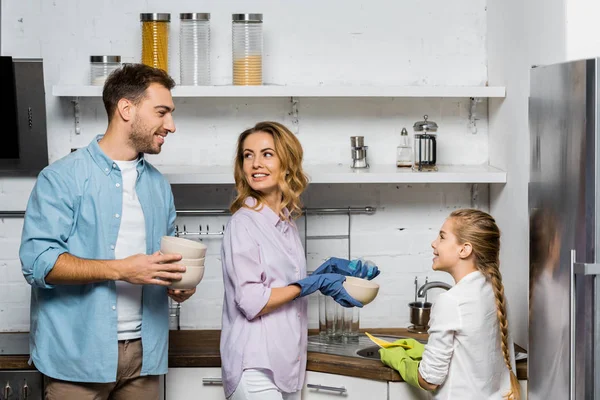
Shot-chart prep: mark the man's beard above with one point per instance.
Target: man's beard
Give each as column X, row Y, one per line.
column 141, row 140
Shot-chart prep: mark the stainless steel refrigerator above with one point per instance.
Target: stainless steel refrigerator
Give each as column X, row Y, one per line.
column 564, row 319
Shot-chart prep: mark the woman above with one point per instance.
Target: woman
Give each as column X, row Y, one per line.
column 264, row 326
column 469, row 354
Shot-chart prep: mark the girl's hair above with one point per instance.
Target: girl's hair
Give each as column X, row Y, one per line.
column 292, row 181
column 480, row 230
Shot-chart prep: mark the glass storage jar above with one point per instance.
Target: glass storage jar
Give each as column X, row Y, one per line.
column 194, row 48
column 101, row 67
column 155, row 39
column 247, row 46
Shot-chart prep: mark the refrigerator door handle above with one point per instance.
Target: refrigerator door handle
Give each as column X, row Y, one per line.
column 585, row 268
column 572, row 324
column 581, row 269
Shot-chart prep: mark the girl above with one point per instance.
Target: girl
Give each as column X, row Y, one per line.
column 264, row 326
column 469, row 354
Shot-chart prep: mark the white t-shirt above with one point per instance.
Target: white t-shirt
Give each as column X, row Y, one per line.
column 463, row 353
column 131, row 240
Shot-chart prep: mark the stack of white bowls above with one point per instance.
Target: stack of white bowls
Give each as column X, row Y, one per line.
column 193, row 253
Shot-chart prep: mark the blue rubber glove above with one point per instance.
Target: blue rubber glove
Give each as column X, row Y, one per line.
column 367, row 270
column 329, row 285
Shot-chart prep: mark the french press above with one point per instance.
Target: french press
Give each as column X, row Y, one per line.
column 425, row 145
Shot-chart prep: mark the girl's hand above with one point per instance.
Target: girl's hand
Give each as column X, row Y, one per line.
column 179, row 295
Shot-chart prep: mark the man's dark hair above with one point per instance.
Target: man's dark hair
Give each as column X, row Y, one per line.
column 130, row 82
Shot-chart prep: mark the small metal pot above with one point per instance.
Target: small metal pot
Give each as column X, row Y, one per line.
column 419, row 313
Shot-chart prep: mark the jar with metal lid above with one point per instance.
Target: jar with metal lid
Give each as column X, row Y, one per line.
column 155, row 39
column 101, row 67
column 247, row 46
column 425, row 145
column 194, row 48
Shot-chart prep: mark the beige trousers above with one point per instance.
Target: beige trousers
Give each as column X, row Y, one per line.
column 129, row 385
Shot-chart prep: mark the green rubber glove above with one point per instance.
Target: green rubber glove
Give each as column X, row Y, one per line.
column 416, row 350
column 397, row 358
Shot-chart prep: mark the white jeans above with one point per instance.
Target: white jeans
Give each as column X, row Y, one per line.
column 257, row 384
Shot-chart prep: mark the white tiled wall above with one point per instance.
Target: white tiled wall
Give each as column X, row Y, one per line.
column 306, row 43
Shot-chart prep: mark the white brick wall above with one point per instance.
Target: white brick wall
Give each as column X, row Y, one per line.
column 312, row 42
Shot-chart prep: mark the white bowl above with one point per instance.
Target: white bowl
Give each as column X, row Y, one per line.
column 361, row 289
column 186, row 247
column 192, row 262
column 189, row 279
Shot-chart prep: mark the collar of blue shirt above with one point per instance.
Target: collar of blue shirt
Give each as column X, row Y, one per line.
column 104, row 162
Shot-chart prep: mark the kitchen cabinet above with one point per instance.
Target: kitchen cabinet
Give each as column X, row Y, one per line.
column 402, row 391
column 161, row 388
column 194, row 383
column 321, row 386
column 523, row 389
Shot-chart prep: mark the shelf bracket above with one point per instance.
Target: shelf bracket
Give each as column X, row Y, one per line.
column 294, row 114
column 475, row 195
column 473, row 114
column 76, row 113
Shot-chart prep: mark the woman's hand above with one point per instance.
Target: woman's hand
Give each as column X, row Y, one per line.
column 330, row 285
column 358, row 268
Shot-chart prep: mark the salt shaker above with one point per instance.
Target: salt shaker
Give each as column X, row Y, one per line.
column 404, row 152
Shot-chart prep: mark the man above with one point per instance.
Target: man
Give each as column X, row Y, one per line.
column 89, row 249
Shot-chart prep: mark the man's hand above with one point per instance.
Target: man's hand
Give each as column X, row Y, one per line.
column 142, row 269
column 179, row 295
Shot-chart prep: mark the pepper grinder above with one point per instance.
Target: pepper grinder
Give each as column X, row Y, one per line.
column 359, row 152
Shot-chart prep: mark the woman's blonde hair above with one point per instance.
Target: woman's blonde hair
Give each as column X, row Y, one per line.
column 292, row 182
column 480, row 230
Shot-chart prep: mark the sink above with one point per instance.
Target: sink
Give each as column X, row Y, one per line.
column 360, row 347
column 369, row 352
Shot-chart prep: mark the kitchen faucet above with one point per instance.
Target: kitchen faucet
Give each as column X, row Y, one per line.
column 435, row 284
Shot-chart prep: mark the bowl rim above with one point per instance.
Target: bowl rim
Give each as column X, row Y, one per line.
column 182, row 258
column 184, row 242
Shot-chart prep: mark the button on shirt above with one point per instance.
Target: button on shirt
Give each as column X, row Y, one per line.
column 259, row 252
column 72, row 209
column 463, row 353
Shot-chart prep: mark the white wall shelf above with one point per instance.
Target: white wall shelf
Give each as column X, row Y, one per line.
column 304, row 91
column 345, row 174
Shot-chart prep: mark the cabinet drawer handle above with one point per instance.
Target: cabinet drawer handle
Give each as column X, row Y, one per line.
column 212, row 381
column 340, row 390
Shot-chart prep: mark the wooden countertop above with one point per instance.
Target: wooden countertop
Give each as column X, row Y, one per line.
column 200, row 348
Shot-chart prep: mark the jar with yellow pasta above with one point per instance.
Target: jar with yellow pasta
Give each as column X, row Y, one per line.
column 155, row 39
column 247, row 49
